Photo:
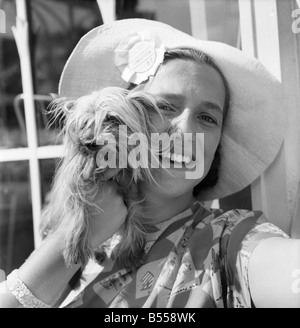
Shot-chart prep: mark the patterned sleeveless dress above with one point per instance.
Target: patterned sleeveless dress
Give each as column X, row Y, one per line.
column 196, row 259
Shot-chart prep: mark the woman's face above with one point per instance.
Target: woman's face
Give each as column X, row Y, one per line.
column 197, row 95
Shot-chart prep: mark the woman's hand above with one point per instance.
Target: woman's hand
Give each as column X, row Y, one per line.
column 108, row 214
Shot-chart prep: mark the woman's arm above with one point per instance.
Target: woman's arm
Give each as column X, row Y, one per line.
column 274, row 273
column 45, row 272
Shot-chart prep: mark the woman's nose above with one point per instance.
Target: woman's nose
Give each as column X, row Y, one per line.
column 184, row 121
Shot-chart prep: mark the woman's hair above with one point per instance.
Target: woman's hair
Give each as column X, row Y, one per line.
column 88, row 124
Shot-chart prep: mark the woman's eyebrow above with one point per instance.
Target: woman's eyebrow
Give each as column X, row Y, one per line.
column 211, row 105
column 172, row 96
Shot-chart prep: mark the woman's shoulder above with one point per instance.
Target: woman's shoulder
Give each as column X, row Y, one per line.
column 234, row 215
column 238, row 225
column 242, row 219
column 229, row 238
column 239, row 231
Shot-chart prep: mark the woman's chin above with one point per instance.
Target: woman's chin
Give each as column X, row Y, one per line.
column 173, row 182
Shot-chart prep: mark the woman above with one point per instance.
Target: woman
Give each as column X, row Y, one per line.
column 193, row 257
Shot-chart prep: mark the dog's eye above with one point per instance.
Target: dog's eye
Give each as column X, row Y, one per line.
column 91, row 146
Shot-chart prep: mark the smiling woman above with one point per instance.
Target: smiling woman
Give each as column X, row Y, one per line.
column 198, row 96
column 165, row 249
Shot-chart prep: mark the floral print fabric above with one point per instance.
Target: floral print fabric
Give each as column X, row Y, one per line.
column 197, row 259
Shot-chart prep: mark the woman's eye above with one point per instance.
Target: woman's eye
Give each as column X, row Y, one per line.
column 208, row 119
column 167, row 109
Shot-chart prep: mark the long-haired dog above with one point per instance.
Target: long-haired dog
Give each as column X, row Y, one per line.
column 88, row 123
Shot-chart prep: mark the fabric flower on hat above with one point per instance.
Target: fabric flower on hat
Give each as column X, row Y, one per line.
column 139, row 55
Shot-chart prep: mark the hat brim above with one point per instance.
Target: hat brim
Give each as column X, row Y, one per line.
column 256, row 122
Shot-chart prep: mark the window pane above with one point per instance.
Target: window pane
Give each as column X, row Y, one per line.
column 12, row 124
column 55, row 28
column 47, row 132
column 222, row 19
column 16, row 228
column 219, row 18
column 47, row 169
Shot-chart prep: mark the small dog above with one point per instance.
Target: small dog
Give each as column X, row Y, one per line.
column 89, row 123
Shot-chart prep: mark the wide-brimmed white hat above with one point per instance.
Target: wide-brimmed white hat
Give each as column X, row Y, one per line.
column 132, row 49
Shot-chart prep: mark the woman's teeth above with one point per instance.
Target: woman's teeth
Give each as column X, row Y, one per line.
column 177, row 158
